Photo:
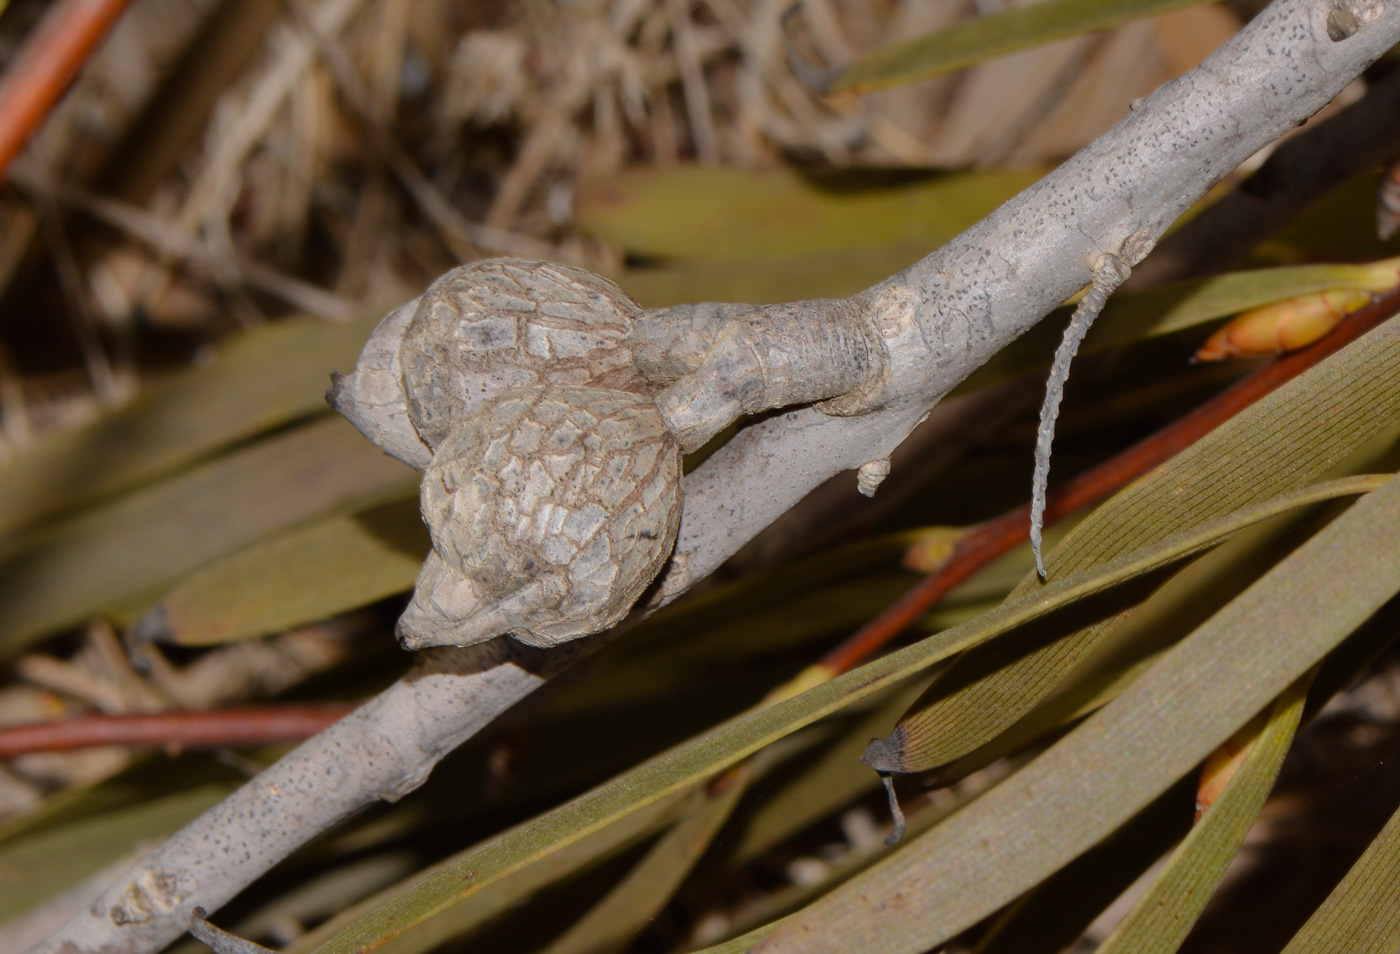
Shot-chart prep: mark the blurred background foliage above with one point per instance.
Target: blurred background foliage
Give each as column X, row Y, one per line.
column 233, row 191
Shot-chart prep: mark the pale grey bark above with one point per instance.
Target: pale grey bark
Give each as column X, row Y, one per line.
column 828, row 514
column 939, row 319
column 379, row 752
column 1297, row 174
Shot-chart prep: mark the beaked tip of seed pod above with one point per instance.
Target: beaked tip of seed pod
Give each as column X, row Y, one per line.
column 887, row 754
column 335, row 396
column 382, row 420
column 422, row 627
column 344, row 398
column 447, row 610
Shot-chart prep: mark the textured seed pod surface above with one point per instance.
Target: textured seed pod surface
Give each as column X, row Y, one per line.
column 495, row 325
column 557, row 506
column 372, row 396
column 550, row 414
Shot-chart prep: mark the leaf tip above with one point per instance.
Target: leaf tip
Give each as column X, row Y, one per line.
column 886, row 755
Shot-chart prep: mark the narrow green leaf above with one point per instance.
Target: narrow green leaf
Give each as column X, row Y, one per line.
column 1051, row 917
column 743, row 943
column 1118, row 761
column 638, row 898
column 1279, row 443
column 325, row 893
column 1160, row 920
column 809, row 793
column 36, row 866
column 1328, row 229
column 736, row 216
column 982, row 38
column 1167, row 309
column 757, row 921
column 763, row 613
column 494, row 895
column 261, row 379
column 1136, row 639
column 349, row 560
column 1056, row 711
column 763, row 281
column 308, row 574
column 443, row 900
column 1362, row 914
column 774, row 624
column 120, row 555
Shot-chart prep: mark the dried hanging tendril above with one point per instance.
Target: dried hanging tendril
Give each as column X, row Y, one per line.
column 1109, row 273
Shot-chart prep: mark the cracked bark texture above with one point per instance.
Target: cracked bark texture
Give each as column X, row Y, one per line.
column 940, row 319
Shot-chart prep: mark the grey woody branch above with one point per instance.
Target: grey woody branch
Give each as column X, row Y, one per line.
column 897, row 349
column 1301, row 171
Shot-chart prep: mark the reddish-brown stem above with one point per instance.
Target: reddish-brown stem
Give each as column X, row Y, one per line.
column 235, row 726
column 998, row 535
column 52, row 55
